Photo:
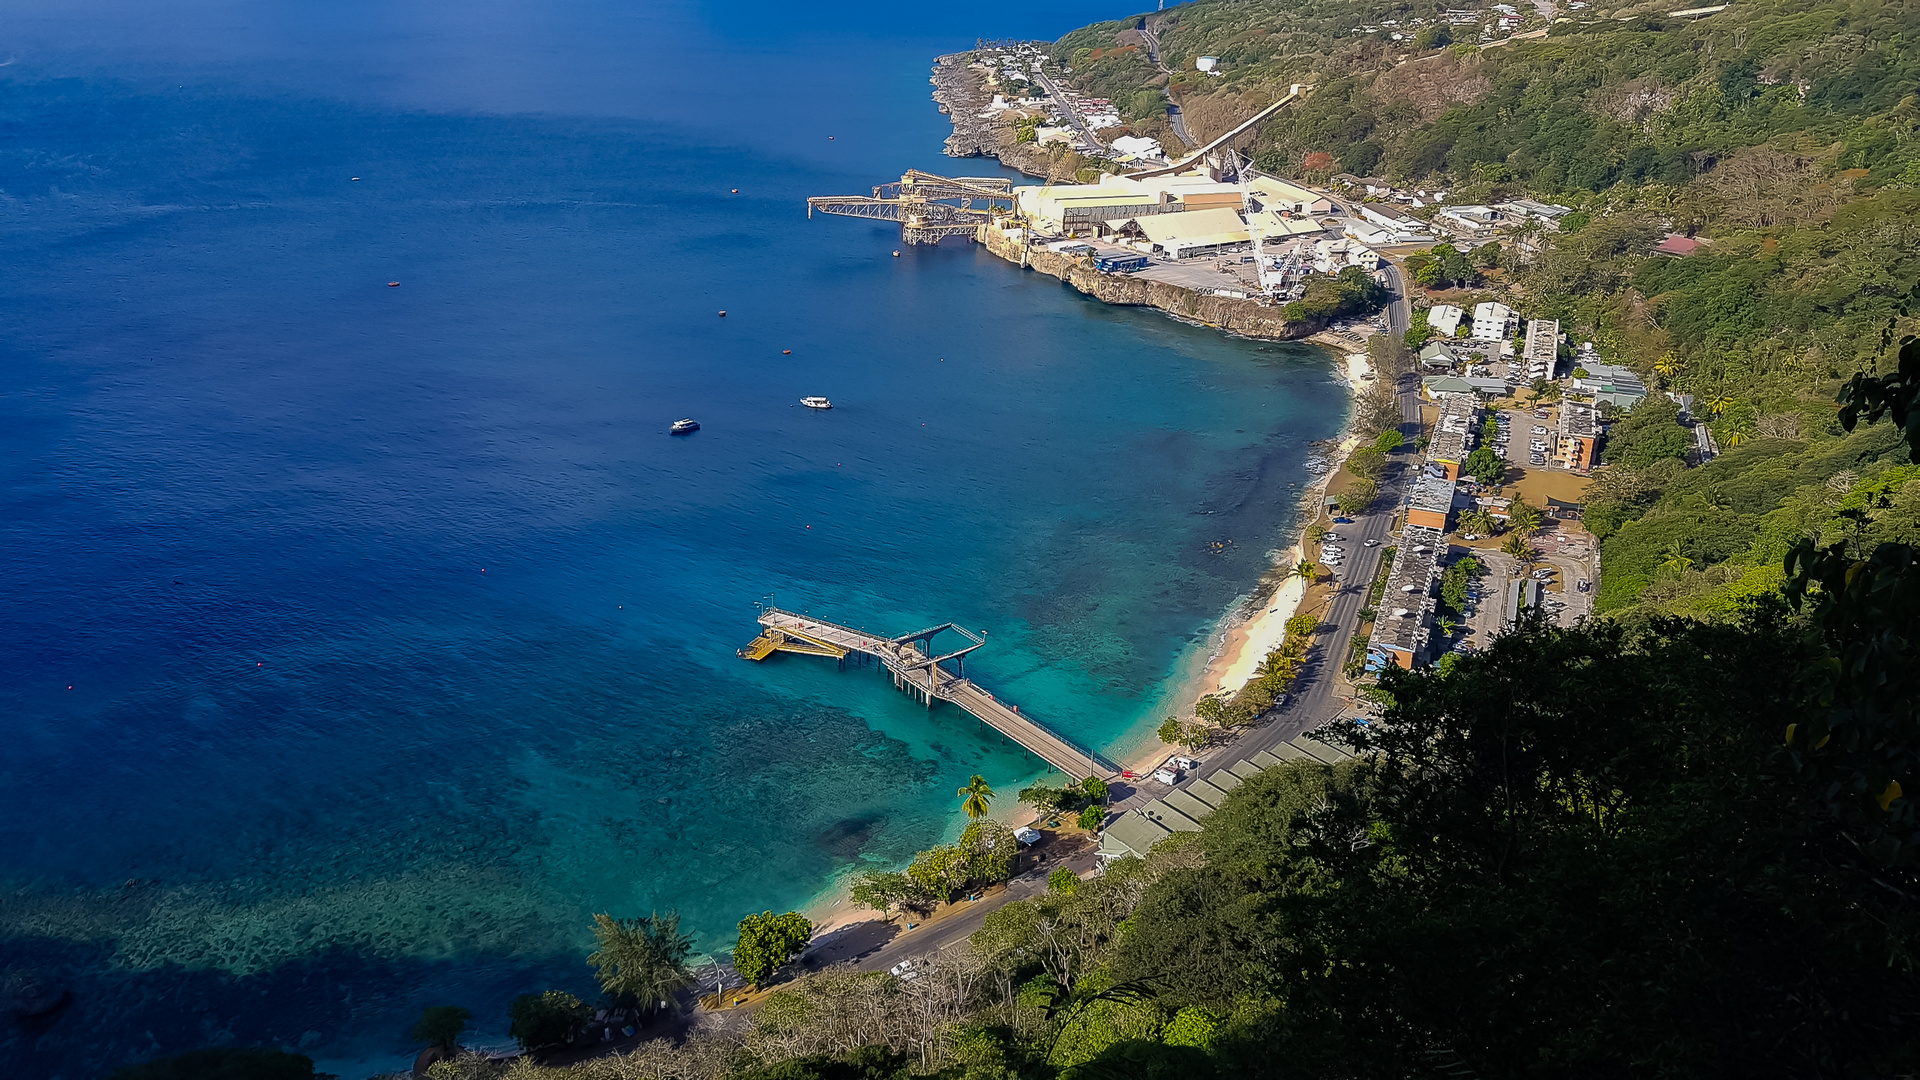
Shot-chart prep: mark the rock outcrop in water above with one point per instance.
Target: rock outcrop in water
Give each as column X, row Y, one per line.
column 28, row 994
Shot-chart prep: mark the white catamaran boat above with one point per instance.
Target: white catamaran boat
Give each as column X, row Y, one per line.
column 816, row 403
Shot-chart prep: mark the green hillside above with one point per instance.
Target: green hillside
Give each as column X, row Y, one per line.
column 1785, row 135
column 1597, row 852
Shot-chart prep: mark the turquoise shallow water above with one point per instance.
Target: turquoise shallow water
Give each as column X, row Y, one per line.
column 360, row 642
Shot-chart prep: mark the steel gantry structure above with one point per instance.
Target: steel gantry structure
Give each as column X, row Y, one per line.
column 929, row 208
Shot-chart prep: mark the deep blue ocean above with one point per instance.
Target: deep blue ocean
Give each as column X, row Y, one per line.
column 357, row 643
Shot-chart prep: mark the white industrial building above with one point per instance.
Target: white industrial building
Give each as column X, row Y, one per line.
column 1137, row 146
column 1402, row 228
column 1333, row 256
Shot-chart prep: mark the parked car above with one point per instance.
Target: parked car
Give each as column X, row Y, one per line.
column 905, row 970
column 1538, row 430
column 1373, row 543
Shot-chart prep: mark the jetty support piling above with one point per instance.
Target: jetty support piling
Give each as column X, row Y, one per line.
column 929, row 208
column 911, row 661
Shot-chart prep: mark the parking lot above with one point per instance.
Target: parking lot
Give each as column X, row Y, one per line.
column 1526, row 437
column 1567, row 559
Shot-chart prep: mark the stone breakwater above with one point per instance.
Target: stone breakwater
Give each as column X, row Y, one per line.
column 962, row 93
column 1246, row 317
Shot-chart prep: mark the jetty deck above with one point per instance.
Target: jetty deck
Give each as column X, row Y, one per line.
column 911, row 661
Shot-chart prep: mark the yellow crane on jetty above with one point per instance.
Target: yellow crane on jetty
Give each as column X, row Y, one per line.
column 929, row 208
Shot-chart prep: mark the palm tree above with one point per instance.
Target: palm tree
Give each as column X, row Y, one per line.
column 1518, row 547
column 979, row 797
column 1308, row 569
column 641, row 963
column 1718, row 404
column 1448, row 626
column 1675, row 561
column 1524, row 519
column 1668, row 365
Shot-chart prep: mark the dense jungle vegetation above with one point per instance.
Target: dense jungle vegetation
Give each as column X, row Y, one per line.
column 1782, row 135
column 1675, row 842
column 1663, row 850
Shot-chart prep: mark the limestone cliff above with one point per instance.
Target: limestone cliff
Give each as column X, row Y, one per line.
column 1246, row 317
column 961, row 90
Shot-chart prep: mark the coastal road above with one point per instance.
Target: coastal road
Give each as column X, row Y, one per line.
column 877, row 946
column 1316, row 697
column 1073, row 115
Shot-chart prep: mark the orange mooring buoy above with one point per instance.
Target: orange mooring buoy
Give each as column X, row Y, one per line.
column 736, row 191
column 896, row 254
column 786, row 352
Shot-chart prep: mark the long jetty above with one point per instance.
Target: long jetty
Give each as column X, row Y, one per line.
column 910, row 659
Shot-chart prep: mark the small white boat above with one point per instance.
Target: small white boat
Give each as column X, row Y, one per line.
column 684, row 427
column 816, row 403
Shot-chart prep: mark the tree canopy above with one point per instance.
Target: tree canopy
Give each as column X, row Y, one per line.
column 769, row 942
column 441, row 1025
column 641, row 962
column 549, row 1019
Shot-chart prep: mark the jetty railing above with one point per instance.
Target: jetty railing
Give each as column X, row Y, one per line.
column 910, row 659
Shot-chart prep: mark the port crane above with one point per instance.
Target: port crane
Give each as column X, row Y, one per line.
column 1240, row 168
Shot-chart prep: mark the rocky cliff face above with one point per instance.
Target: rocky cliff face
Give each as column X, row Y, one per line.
column 961, row 91
column 1247, row 317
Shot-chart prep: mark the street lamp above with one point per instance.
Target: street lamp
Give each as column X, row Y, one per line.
column 718, row 977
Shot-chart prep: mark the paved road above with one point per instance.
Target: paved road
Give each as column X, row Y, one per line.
column 1315, row 700
column 1179, row 121
column 1317, row 695
column 1066, row 106
column 1151, row 32
column 879, row 946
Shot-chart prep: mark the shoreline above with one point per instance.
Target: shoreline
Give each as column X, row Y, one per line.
column 1257, row 625
column 1240, row 315
column 1251, row 627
